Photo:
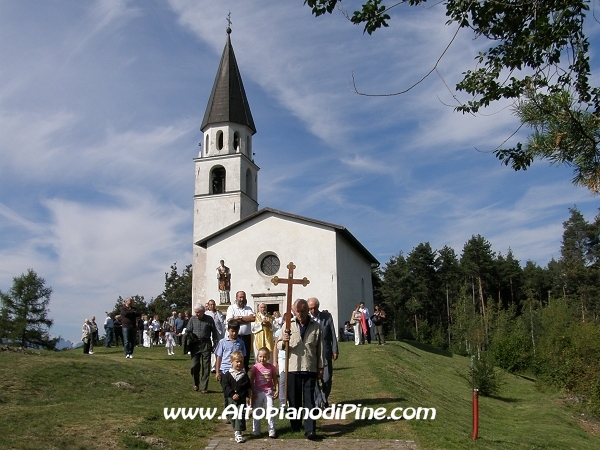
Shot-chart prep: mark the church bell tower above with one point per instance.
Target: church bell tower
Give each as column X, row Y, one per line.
column 226, row 176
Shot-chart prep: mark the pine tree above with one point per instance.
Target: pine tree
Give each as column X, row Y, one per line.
column 394, row 292
column 477, row 261
column 177, row 295
column 575, row 250
column 25, row 312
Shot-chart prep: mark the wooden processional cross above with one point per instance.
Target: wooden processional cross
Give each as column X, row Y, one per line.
column 290, row 281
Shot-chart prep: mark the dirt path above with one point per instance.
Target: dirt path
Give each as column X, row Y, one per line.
column 329, row 440
column 227, row 443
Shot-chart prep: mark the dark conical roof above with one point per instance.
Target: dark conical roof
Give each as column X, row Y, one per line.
column 228, row 102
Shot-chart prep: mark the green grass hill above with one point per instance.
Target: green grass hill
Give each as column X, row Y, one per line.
column 67, row 400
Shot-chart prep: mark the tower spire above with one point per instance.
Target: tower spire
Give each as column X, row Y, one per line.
column 228, row 102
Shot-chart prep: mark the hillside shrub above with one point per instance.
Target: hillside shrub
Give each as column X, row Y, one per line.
column 483, row 375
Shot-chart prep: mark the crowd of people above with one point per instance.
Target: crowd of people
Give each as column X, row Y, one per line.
column 149, row 330
column 222, row 344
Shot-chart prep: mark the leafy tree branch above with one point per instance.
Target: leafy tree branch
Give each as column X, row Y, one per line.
column 539, row 57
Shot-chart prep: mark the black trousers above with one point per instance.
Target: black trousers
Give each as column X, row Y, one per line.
column 200, row 363
column 247, row 339
column 301, row 393
column 328, row 376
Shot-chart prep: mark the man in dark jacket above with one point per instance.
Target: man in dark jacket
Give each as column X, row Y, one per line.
column 201, row 332
column 330, row 343
column 128, row 323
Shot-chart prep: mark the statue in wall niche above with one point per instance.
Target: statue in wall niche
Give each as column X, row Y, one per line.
column 224, row 278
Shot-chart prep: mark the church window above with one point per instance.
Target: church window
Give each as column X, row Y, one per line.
column 270, row 265
column 249, row 148
column 206, row 145
column 218, row 180
column 236, row 141
column 219, row 140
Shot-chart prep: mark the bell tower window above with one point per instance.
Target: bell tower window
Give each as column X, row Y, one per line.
column 218, row 180
column 236, row 141
column 219, row 140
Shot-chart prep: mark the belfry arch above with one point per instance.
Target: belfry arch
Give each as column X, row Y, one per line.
column 217, row 180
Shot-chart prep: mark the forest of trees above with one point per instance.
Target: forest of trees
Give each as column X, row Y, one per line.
column 176, row 296
column 542, row 320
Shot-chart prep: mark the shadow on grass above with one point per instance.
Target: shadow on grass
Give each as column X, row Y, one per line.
column 428, row 348
column 504, row 399
column 525, row 377
column 372, row 401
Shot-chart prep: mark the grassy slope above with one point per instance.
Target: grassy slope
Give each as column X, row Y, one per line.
column 67, row 400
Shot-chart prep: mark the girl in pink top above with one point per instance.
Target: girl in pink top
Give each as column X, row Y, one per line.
column 265, row 388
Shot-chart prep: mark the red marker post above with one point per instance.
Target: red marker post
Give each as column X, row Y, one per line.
column 475, row 413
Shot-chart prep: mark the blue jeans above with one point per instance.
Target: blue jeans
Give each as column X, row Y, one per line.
column 109, row 337
column 128, row 340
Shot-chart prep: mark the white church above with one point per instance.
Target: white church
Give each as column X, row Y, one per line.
column 256, row 244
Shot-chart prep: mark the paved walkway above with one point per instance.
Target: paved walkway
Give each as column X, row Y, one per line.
column 226, row 443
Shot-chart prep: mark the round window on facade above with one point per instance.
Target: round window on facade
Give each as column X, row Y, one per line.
column 270, row 265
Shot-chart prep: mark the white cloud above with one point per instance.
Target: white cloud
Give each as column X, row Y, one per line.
column 96, row 243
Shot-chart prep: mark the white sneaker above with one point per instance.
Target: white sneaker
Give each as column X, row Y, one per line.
column 126, row 356
column 239, row 438
column 91, row 353
column 131, row 356
column 272, row 434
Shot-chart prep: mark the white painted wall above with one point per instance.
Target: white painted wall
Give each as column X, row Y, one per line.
column 311, row 247
column 354, row 283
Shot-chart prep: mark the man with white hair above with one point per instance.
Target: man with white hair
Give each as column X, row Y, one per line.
column 202, row 333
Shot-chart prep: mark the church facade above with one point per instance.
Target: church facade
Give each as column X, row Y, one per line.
column 257, row 245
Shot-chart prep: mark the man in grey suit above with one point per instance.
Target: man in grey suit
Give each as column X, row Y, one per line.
column 330, row 343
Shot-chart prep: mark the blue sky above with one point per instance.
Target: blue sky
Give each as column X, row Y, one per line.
column 100, row 108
